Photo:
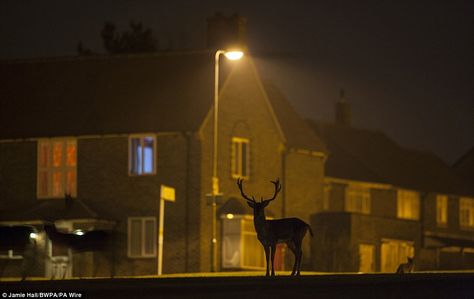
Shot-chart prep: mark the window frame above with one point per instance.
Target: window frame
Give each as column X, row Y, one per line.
column 442, row 210
column 351, row 201
column 466, row 213
column 143, row 221
column 237, row 173
column 373, row 256
column 50, row 169
column 142, row 137
column 413, row 201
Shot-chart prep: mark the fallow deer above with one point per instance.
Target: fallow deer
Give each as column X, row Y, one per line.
column 271, row 232
column 99, row 241
column 20, row 239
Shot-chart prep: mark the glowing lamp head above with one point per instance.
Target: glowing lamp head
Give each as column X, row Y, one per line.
column 79, row 232
column 229, row 216
column 33, row 236
column 234, row 54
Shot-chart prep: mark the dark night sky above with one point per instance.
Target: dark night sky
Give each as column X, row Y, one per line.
column 407, row 68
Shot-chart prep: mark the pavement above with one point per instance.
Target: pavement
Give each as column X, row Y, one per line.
column 231, row 285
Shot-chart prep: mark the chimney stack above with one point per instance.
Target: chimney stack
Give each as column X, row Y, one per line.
column 226, row 32
column 343, row 110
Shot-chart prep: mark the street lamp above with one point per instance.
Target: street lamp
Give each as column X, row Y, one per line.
column 231, row 55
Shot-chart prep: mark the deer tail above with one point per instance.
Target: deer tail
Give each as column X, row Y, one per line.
column 310, row 230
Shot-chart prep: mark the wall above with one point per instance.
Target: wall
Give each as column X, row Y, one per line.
column 243, row 112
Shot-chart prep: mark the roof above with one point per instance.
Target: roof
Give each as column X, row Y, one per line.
column 371, row 156
column 465, row 166
column 123, row 94
column 52, row 210
column 105, row 94
column 296, row 131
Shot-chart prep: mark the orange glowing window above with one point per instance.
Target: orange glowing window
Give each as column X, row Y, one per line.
column 71, row 154
column 71, row 182
column 57, row 184
column 43, row 154
column 57, row 162
column 57, row 154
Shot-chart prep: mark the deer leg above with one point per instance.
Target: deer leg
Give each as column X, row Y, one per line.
column 267, row 258
column 299, row 256
column 291, row 245
column 273, row 248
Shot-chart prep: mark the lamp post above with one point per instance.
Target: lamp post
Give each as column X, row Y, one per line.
column 231, row 55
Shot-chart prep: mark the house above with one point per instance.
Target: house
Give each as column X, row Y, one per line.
column 110, row 130
column 384, row 203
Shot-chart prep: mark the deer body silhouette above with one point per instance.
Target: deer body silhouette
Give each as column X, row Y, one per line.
column 271, row 232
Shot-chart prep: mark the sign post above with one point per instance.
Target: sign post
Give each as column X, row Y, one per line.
column 166, row 193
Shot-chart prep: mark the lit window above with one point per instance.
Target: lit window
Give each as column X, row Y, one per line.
column 253, row 255
column 57, row 168
column 441, row 210
column 366, row 258
column 142, row 155
column 241, row 248
column 357, row 198
column 408, row 205
column 393, row 253
column 466, row 212
column 142, row 237
column 240, row 158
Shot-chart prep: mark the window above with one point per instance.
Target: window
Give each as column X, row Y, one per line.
column 441, row 210
column 253, row 255
column 357, row 198
column 366, row 258
column 393, row 253
column 57, row 165
column 240, row 158
column 466, row 212
column 408, row 205
column 142, row 237
column 142, row 155
column 241, row 248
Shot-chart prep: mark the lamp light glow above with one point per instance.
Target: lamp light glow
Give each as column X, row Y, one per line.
column 234, row 55
column 79, row 232
column 33, row 236
column 229, row 216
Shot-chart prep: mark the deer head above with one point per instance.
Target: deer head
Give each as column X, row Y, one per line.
column 259, row 206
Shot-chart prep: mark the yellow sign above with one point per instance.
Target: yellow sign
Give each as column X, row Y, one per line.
column 167, row 193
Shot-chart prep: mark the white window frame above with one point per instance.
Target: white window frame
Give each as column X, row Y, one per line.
column 50, row 169
column 236, row 158
column 143, row 254
column 155, row 155
column 441, row 210
column 466, row 213
column 357, row 198
column 408, row 204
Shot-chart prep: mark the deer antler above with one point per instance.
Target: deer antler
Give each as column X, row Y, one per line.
column 277, row 189
column 239, row 183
